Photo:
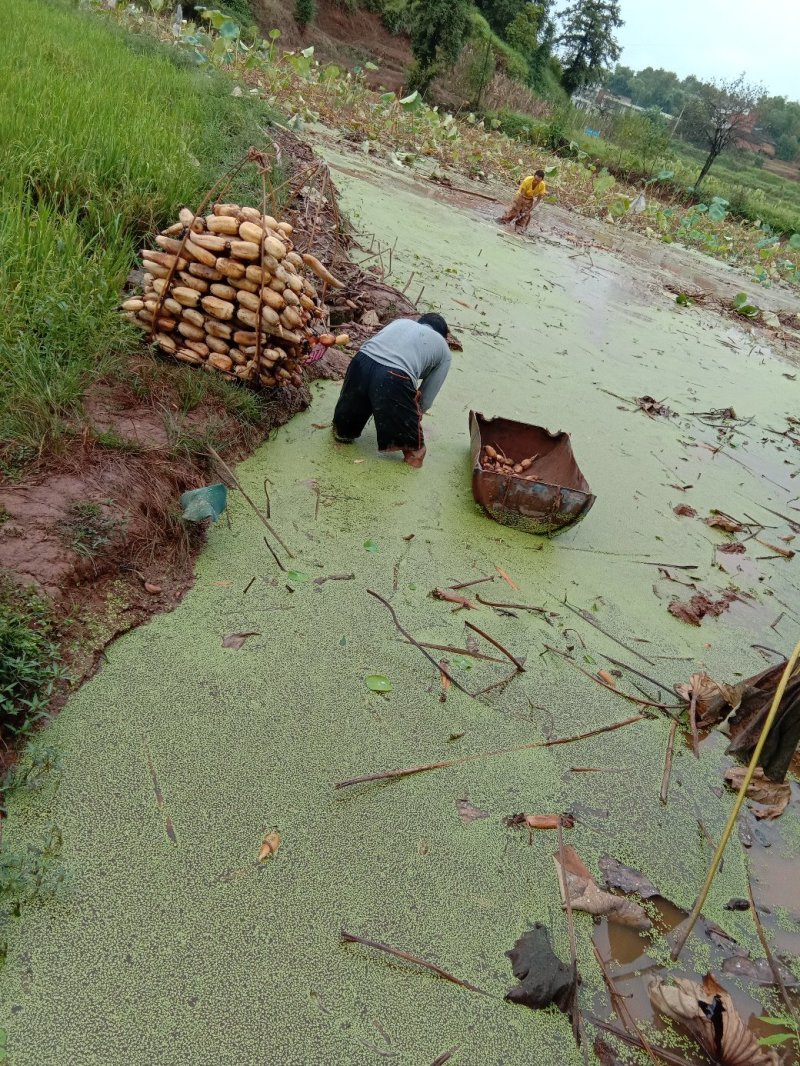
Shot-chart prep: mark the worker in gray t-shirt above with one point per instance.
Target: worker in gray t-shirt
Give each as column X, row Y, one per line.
column 395, row 378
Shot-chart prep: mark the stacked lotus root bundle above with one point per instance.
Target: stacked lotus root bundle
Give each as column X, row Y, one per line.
column 496, row 461
column 228, row 292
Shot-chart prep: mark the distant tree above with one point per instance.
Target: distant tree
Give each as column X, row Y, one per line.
column 787, row 148
column 658, row 88
column 781, row 120
column 439, row 30
column 588, row 42
column 620, row 82
column 305, row 11
column 718, row 112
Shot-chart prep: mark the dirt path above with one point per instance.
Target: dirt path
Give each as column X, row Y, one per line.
column 168, row 943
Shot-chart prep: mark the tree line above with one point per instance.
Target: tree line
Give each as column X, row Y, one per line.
column 777, row 116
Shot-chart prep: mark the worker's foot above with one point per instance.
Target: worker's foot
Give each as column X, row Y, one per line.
column 340, row 439
column 414, row 457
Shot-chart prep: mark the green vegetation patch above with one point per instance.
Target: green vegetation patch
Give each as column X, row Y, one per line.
column 29, row 659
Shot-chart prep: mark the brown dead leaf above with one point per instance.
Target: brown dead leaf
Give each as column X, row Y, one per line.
column 152, row 589
column 734, row 548
column 607, row 678
column 684, row 510
column 507, row 579
column 269, row 845
column 222, row 584
column 708, row 1013
column 320, row 425
column 772, row 797
column 467, row 813
column 652, row 407
column 718, row 520
column 370, row 318
column 626, row 879
column 586, row 895
column 705, row 691
column 236, row 640
column 694, row 610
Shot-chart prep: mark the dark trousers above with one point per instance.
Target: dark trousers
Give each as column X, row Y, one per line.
column 371, row 389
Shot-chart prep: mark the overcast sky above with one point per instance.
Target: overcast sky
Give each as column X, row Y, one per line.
column 716, row 38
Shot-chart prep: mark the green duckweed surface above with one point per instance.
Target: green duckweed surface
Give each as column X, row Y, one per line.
column 168, row 943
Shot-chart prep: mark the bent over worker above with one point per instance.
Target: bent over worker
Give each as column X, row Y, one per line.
column 395, row 377
column 529, row 195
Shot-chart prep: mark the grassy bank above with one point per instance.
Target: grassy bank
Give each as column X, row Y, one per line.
column 103, row 135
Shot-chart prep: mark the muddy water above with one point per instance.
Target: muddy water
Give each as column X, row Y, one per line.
column 169, row 944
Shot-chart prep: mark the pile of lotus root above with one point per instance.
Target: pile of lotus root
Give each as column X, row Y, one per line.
column 228, row 292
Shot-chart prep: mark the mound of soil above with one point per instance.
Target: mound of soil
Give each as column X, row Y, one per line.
column 348, row 36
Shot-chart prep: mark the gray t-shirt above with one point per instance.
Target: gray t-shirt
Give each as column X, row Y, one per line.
column 418, row 351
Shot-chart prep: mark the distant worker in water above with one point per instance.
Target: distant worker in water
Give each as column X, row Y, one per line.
column 529, row 195
column 395, row 377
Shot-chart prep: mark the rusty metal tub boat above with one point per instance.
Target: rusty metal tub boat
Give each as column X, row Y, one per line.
column 559, row 497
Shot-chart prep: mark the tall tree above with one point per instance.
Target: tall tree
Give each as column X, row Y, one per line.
column 718, row 112
column 588, row 42
column 439, row 29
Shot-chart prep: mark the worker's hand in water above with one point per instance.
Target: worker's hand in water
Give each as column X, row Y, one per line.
column 414, row 457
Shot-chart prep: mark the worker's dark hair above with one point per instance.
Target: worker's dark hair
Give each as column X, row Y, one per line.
column 539, row 174
column 435, row 322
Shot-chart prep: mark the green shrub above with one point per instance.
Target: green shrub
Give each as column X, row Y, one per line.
column 29, row 659
column 305, row 11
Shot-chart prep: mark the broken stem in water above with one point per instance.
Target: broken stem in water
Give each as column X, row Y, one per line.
column 667, row 1056
column 773, row 963
column 417, row 644
column 586, row 616
column 351, row 938
column 459, row 651
column 619, row 1005
column 509, row 606
column 237, row 484
column 693, row 725
column 496, row 643
column 668, row 763
column 467, row 584
column 574, row 1013
column 611, row 688
column 390, row 775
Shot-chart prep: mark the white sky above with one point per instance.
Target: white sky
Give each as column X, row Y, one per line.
column 716, row 38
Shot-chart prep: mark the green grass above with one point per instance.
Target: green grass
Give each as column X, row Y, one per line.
column 103, row 135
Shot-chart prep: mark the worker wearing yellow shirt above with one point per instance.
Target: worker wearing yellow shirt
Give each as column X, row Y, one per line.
column 529, row 195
